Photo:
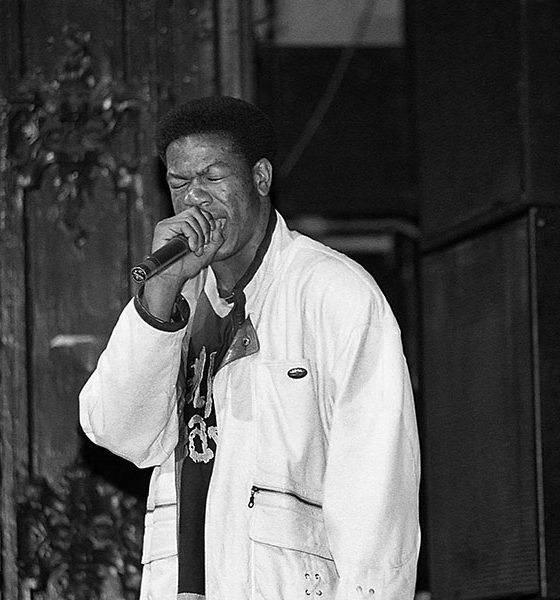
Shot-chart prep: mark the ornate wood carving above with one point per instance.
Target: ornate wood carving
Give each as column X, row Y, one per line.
column 79, row 539
column 68, row 127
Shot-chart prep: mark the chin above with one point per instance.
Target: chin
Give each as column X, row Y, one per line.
column 223, row 253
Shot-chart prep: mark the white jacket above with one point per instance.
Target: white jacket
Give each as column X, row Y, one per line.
column 333, row 454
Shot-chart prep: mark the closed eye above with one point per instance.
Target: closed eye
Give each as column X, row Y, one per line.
column 177, row 186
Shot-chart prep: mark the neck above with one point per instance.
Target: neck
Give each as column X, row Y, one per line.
column 229, row 271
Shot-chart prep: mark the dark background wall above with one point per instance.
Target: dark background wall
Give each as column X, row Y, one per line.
column 360, row 159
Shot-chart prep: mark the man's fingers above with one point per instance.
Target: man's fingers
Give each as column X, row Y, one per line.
column 204, row 233
column 201, row 223
column 194, row 224
column 217, row 238
column 206, row 221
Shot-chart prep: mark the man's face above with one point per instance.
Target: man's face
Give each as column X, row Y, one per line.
column 203, row 171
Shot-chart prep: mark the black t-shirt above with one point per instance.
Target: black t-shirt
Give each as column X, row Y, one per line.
column 211, row 337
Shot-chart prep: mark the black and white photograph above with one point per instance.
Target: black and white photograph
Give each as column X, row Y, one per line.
column 279, row 300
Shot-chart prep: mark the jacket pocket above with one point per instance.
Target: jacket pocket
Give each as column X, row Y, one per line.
column 291, row 426
column 291, row 554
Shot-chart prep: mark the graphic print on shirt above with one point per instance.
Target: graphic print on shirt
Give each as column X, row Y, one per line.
column 199, row 432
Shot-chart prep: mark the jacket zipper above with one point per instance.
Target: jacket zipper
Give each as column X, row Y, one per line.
column 256, row 489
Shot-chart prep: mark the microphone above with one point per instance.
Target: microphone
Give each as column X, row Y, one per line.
column 160, row 259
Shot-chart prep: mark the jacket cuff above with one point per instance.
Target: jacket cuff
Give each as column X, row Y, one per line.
column 179, row 316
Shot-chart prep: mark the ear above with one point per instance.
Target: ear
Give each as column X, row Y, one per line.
column 262, row 176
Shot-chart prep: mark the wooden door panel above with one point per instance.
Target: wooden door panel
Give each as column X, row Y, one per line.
column 81, row 89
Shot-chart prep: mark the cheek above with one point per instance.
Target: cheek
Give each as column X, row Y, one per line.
column 238, row 203
column 177, row 203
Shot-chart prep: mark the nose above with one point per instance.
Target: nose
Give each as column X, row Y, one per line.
column 196, row 196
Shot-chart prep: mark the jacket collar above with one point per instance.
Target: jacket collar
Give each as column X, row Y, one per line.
column 273, row 263
column 257, row 260
column 260, row 274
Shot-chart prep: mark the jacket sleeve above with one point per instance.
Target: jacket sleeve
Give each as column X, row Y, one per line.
column 373, row 468
column 128, row 405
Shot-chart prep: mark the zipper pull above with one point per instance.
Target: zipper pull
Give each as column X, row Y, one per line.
column 254, row 490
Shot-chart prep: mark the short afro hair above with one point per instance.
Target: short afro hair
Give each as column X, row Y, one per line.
column 246, row 126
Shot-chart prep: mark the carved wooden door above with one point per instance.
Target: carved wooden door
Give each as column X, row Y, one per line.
column 82, row 85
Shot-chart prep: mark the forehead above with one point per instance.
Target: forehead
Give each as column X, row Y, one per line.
column 201, row 148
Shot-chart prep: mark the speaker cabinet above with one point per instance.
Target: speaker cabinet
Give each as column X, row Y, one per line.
column 488, row 109
column 491, row 334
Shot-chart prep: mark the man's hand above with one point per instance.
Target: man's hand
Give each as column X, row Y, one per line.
column 205, row 236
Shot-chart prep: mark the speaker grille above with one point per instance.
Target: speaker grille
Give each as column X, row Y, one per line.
column 479, row 444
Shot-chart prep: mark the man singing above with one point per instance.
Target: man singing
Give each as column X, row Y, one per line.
column 262, row 375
